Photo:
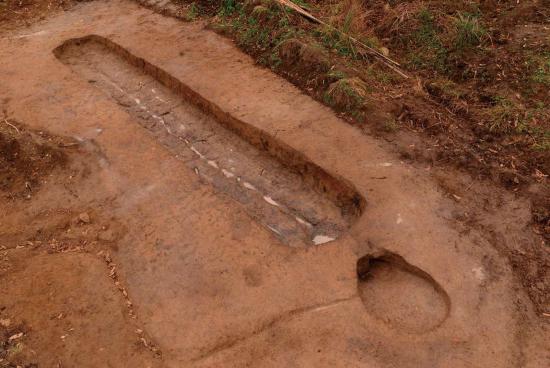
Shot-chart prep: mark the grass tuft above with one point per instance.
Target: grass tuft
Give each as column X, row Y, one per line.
column 541, row 66
column 334, row 40
column 505, row 117
column 347, row 94
column 469, row 31
column 192, row 12
column 431, row 54
column 228, row 7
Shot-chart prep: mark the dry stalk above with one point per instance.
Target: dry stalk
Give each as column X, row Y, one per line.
column 392, row 64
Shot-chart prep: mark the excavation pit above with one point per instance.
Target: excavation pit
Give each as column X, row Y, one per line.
column 401, row 295
column 295, row 199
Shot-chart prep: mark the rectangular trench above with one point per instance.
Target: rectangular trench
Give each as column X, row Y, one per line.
column 294, row 198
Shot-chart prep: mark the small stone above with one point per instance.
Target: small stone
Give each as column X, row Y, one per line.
column 106, row 235
column 5, row 322
column 84, row 218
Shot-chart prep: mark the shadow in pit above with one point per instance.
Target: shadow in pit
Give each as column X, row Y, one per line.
column 401, row 295
column 297, row 200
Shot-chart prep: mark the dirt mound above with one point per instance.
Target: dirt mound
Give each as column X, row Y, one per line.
column 26, row 157
column 347, row 93
column 17, row 13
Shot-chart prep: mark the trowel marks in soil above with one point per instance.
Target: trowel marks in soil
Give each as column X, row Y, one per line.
column 401, row 295
column 294, row 198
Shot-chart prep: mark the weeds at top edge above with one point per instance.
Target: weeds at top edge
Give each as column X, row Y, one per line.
column 469, row 31
column 541, row 68
column 228, row 7
column 192, row 13
column 302, row 4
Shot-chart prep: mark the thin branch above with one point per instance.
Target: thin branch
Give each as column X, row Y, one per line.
column 13, row 126
column 392, row 64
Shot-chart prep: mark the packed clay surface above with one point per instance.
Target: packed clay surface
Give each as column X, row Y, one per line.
column 165, row 202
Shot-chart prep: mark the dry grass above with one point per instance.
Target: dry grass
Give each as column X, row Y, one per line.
column 347, row 94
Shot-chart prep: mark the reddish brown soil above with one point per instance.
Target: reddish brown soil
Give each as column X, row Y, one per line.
column 20, row 13
column 117, row 248
column 26, row 158
column 62, row 303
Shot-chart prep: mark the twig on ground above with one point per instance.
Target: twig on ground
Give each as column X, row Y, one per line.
column 13, row 126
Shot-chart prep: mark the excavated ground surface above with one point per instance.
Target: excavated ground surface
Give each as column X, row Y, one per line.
column 129, row 238
column 278, row 197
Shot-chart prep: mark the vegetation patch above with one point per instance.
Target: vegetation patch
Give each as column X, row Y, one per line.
column 428, row 50
column 469, row 32
column 540, row 64
column 347, row 94
column 507, row 117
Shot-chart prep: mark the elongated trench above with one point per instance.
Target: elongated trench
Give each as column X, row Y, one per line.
column 294, row 198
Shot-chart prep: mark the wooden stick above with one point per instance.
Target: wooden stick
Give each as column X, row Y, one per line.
column 392, row 64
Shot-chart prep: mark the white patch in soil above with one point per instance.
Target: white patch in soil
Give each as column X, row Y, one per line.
column 478, row 273
column 228, row 174
column 39, row 33
column 399, row 219
column 247, row 185
column 303, row 222
column 274, row 230
column 321, row 239
column 196, row 152
column 270, row 200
